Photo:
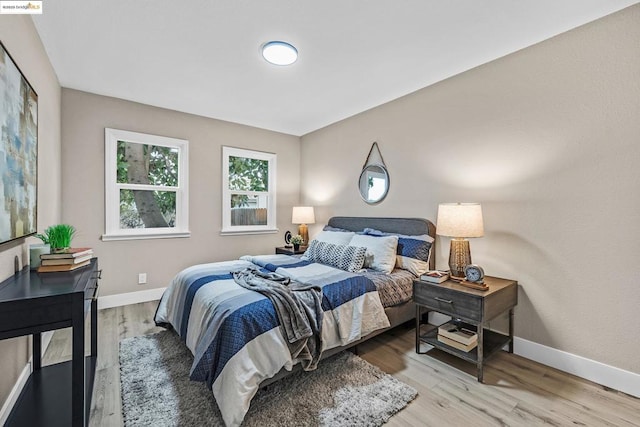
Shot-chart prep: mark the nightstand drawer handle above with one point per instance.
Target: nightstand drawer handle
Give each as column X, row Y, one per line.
column 448, row 301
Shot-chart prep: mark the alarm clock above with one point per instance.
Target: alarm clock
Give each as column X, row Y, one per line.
column 474, row 273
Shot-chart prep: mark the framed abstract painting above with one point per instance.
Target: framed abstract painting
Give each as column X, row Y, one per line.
column 18, row 152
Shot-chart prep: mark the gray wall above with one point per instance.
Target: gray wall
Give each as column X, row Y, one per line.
column 84, row 117
column 548, row 140
column 23, row 43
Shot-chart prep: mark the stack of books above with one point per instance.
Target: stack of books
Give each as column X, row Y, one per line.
column 68, row 260
column 435, row 276
column 458, row 336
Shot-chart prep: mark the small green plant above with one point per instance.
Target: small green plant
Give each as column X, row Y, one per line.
column 58, row 236
column 296, row 240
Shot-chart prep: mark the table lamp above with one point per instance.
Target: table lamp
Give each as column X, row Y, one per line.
column 460, row 221
column 303, row 215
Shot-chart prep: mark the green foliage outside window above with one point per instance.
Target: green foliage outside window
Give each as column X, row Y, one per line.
column 246, row 174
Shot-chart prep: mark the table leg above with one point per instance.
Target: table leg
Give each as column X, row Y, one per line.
column 37, row 351
column 480, row 352
column 511, row 330
column 417, row 329
column 94, row 327
column 77, row 363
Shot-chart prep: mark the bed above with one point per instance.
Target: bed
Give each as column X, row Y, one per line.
column 235, row 334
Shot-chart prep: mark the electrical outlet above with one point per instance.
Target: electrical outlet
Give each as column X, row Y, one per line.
column 142, row 278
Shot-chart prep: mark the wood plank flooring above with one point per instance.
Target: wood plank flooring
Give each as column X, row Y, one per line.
column 516, row 392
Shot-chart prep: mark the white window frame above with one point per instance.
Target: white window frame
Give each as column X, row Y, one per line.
column 112, row 187
column 227, row 228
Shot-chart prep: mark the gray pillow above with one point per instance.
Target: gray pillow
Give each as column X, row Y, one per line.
column 330, row 228
column 348, row 258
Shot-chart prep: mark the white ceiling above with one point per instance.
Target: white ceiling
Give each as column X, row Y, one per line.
column 202, row 56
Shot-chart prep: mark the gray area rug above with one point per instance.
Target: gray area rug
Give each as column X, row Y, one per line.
column 344, row 391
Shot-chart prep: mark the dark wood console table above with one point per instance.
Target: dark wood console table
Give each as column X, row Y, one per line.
column 32, row 303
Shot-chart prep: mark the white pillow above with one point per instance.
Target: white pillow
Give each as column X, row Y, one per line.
column 335, row 237
column 382, row 249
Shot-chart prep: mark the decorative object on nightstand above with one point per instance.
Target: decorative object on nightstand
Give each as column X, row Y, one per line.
column 287, row 239
column 303, row 215
column 296, row 241
column 474, row 273
column 460, row 221
column 474, row 277
column 435, row 276
column 457, row 331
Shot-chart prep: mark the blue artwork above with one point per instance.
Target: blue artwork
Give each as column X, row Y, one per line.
column 18, row 152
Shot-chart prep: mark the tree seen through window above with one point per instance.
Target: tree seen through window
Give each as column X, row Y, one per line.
column 148, row 165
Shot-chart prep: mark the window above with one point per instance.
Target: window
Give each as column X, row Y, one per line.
column 248, row 191
column 146, row 186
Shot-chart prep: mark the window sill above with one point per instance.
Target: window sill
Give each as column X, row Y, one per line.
column 110, row 237
column 244, row 232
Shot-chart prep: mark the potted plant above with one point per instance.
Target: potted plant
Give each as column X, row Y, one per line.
column 296, row 241
column 58, row 237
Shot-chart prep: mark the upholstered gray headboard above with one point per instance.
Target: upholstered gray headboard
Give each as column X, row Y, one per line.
column 408, row 226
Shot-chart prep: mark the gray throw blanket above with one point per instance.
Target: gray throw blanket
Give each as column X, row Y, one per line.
column 299, row 309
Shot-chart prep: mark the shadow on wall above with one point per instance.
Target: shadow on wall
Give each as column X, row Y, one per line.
column 540, row 276
column 8, row 252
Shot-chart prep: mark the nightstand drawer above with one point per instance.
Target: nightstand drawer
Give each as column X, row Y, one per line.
column 448, row 301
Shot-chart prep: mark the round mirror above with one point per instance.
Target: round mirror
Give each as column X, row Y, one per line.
column 374, row 184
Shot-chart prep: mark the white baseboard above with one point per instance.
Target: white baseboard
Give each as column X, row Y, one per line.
column 606, row 375
column 103, row 302
column 22, row 381
column 119, row 300
column 14, row 394
column 609, row 376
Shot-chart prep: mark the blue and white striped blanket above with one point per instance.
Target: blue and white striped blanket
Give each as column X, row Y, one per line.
column 234, row 333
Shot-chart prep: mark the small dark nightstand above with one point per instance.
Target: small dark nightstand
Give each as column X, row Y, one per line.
column 473, row 307
column 289, row 251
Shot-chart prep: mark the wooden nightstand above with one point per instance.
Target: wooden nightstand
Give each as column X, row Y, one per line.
column 471, row 306
column 289, row 251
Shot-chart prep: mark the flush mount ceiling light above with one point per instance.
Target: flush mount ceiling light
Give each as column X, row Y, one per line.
column 279, row 53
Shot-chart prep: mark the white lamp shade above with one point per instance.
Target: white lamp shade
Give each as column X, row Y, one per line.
column 303, row 215
column 460, row 220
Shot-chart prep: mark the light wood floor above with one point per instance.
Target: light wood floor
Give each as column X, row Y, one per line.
column 517, row 392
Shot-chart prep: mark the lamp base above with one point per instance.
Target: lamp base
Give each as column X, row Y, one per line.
column 303, row 230
column 459, row 257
